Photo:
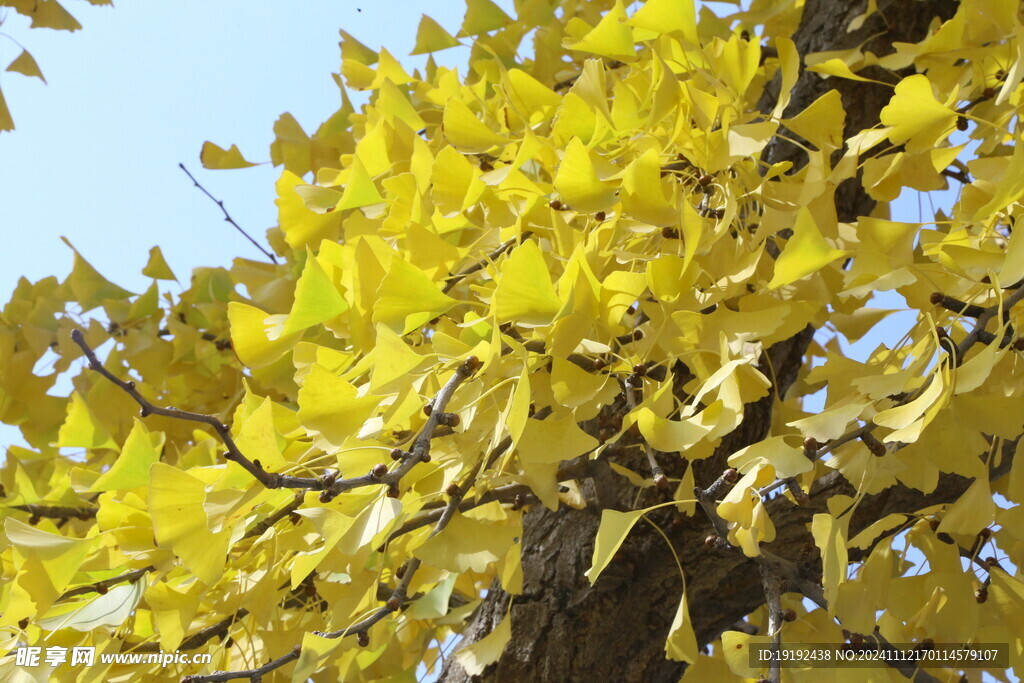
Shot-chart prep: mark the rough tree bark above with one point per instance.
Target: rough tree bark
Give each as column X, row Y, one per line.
column 565, row 630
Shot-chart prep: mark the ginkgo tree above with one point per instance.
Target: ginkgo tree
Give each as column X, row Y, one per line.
column 534, row 369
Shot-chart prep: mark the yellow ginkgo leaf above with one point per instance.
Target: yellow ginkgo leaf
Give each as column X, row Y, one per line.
column 837, row 67
column 465, row 131
column 805, row 253
column 408, row 298
column 972, row 511
column 6, row 122
column 177, row 507
column 614, row 528
column 430, row 37
column 787, row 460
column 359, row 190
column 573, row 386
column 89, row 287
column 468, row 545
column 681, row 644
column 546, row 443
column 59, row 557
column 524, row 293
column 612, row 37
column 157, row 267
column 668, row 16
column 915, row 117
column 830, row 537
column 26, row 64
column 671, row 436
column 317, row 299
column 249, row 336
column 330, row 407
column 483, row 16
column 642, row 194
column 301, row 226
column 81, row 429
column 131, row 469
column 478, row 656
column 258, row 438
column 215, row 157
column 577, row 182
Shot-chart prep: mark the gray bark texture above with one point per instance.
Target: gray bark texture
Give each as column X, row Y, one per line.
column 564, row 629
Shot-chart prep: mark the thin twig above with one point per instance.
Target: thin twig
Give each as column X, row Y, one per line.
column 482, row 263
column 103, row 586
column 227, row 216
column 631, row 384
column 56, row 511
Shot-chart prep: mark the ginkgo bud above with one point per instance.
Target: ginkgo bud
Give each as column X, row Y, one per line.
column 810, row 444
column 101, row 589
column 23, row 624
column 393, row 604
column 325, row 496
column 788, row 615
column 935, row 298
column 400, row 572
column 992, row 562
column 731, row 476
column 670, row 233
column 985, row 533
column 640, row 369
column 711, row 541
column 327, row 479
column 556, row 205
column 518, row 502
column 393, row 491
column 428, row 409
column 599, row 216
column 961, row 123
column 449, row 419
column 425, row 457
column 397, row 454
column 662, row 482
column 363, row 639
column 473, row 363
column 705, row 180
column 34, row 519
column 379, row 470
column 981, row 595
column 453, row 490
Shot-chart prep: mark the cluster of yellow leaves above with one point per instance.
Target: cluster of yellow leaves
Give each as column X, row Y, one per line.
column 620, row 161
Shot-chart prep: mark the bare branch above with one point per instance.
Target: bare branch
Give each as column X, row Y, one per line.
column 227, row 216
column 56, row 511
column 103, row 586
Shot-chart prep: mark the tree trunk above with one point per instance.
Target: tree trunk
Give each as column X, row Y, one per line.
column 563, row 629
